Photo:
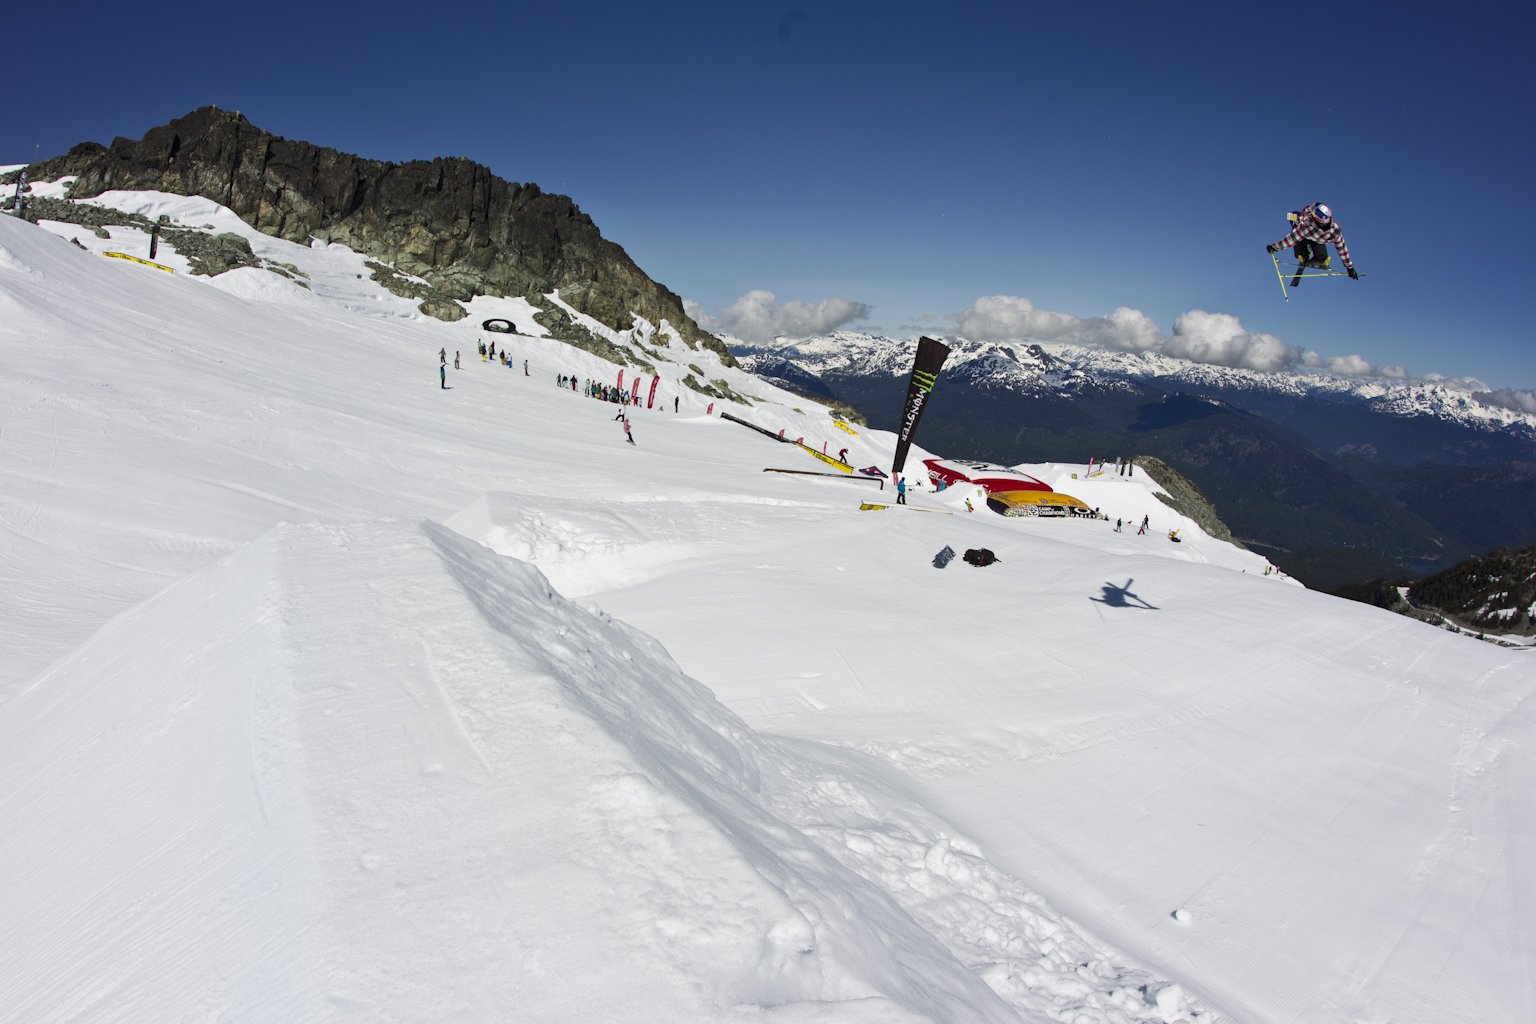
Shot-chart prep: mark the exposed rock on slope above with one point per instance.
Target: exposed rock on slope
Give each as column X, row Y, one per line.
column 448, row 221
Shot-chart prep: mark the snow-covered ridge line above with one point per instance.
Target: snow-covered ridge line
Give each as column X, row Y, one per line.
column 856, row 352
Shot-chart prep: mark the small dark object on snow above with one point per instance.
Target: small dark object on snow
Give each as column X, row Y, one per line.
column 980, row 556
column 944, row 557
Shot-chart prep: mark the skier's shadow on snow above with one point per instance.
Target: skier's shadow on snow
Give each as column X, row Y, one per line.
column 1122, row 597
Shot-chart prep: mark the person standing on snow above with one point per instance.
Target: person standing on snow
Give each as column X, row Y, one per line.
column 442, row 375
column 901, row 490
column 628, row 436
column 1314, row 228
column 455, row 359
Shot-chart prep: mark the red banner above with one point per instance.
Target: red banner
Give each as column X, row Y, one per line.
column 651, row 400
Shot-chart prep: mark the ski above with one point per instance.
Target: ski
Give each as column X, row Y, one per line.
column 1312, row 270
column 1301, row 270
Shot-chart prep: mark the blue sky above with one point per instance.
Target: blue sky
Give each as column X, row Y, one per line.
column 906, row 160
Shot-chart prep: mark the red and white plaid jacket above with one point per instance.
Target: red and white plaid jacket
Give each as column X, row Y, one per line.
column 1309, row 229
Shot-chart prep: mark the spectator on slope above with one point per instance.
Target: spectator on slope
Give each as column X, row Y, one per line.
column 901, row 490
column 455, row 359
column 1118, row 524
column 442, row 376
column 674, row 404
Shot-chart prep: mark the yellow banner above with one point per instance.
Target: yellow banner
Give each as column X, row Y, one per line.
column 845, row 428
column 147, row 263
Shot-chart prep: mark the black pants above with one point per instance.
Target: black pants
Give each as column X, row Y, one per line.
column 1308, row 251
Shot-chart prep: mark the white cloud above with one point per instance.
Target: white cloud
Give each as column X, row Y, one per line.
column 697, row 314
column 1456, row 383
column 1520, row 400
column 1015, row 318
column 759, row 316
column 1220, row 338
column 1350, row 366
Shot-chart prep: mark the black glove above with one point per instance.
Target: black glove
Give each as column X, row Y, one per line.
column 1270, row 249
column 1354, row 275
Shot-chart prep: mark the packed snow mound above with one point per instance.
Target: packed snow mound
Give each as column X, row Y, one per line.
column 342, row 728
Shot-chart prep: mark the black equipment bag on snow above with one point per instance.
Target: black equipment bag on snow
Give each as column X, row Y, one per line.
column 980, row 556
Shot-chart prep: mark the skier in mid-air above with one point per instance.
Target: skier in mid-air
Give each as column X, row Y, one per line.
column 1313, row 228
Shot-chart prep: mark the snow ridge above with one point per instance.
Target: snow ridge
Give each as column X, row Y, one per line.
column 1069, row 368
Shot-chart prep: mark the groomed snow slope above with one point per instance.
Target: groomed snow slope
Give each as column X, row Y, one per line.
column 275, row 745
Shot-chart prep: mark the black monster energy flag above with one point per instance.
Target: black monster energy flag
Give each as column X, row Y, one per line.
column 925, row 374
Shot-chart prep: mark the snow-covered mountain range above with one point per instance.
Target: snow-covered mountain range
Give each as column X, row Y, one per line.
column 1074, row 368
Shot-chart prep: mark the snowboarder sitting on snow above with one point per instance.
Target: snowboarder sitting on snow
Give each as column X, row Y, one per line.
column 1314, row 229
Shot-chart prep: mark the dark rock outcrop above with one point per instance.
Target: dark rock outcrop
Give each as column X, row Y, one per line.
column 448, row 221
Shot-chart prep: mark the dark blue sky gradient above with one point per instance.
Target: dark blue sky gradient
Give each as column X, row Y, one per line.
column 913, row 157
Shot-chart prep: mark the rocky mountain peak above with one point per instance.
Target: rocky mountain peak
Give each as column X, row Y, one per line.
column 448, row 221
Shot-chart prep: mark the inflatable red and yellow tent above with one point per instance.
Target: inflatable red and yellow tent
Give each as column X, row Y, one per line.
column 1009, row 492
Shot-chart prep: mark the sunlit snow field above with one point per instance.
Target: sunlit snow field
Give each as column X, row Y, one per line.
column 329, row 694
